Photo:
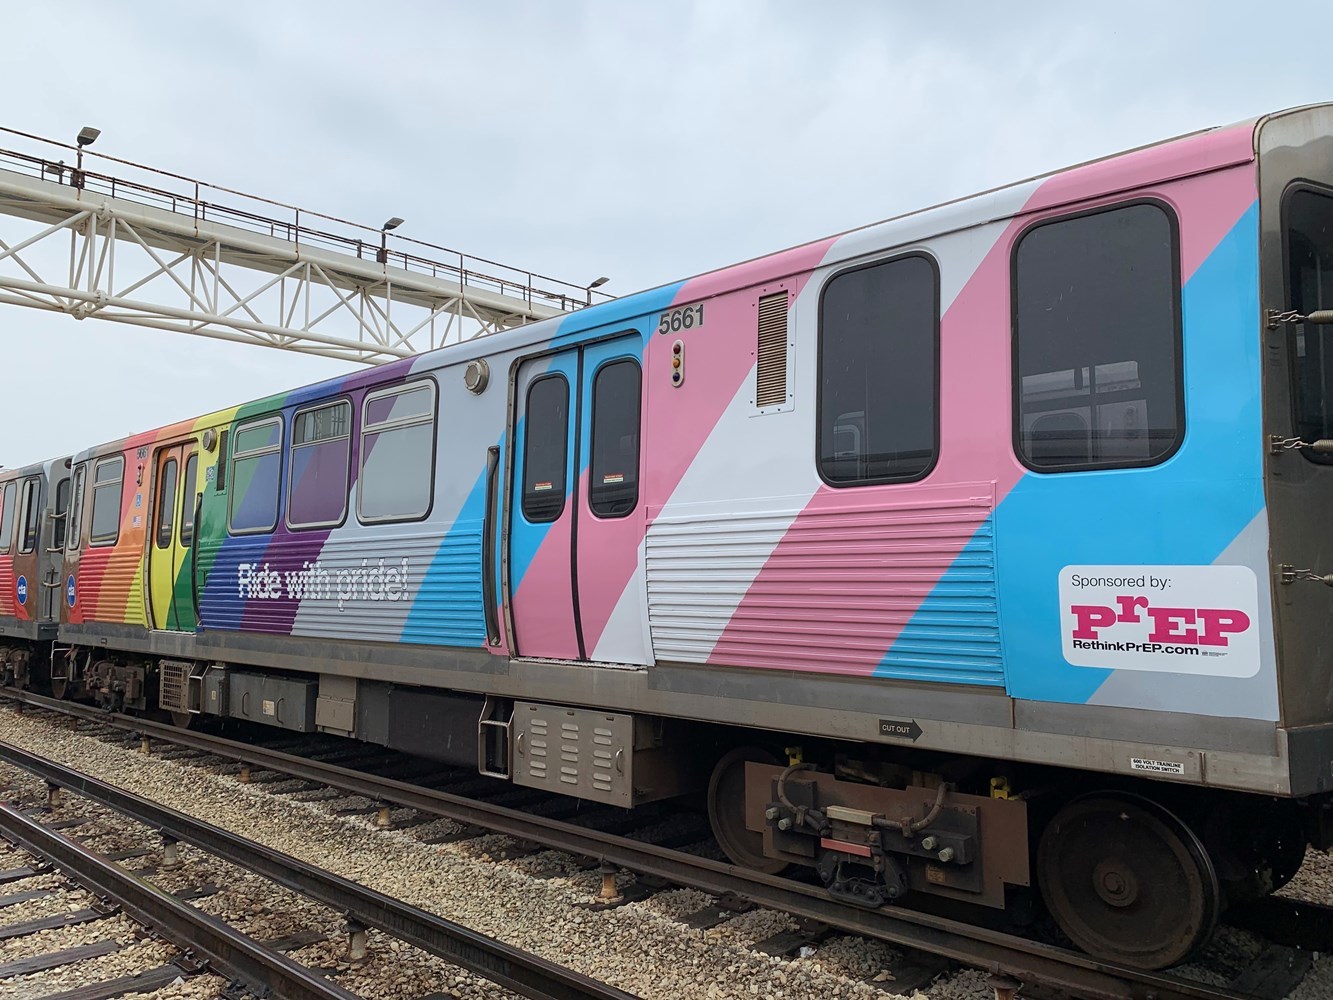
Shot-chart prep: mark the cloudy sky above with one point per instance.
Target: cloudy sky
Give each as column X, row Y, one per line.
column 578, row 138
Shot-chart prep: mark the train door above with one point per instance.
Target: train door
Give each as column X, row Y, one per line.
column 170, row 542
column 543, row 503
column 53, row 558
column 575, row 515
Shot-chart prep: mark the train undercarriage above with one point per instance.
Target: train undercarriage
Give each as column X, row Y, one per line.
column 1132, row 871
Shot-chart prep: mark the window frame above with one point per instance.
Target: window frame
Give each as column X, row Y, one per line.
column 107, row 540
column 30, row 502
column 570, row 402
column 74, row 529
column 189, row 496
column 592, row 436
column 1178, row 369
column 272, row 418
column 169, row 508
column 936, row 384
column 9, row 488
column 60, row 518
column 1293, row 387
column 347, row 464
column 364, row 429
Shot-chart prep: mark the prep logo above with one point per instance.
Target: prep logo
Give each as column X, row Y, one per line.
column 1176, row 619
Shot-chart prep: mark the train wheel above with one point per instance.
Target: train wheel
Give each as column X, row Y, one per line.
column 181, row 720
column 1127, row 881
column 59, row 688
column 726, row 811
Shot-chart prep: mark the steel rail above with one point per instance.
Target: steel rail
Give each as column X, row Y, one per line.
column 1028, row 961
column 228, row 951
column 519, row 971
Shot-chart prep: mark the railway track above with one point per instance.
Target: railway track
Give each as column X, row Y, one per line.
column 259, row 966
column 203, row 942
column 1041, row 968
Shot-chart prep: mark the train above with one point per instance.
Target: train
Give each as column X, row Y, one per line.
column 973, row 558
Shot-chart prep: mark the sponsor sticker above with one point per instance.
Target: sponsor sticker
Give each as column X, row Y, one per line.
column 1172, row 619
column 1157, row 766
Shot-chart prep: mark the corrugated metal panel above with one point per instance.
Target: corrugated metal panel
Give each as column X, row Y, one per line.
column 906, row 590
column 118, row 596
column 771, row 369
column 437, row 582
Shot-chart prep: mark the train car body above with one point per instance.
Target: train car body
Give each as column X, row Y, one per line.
column 33, row 502
column 910, row 536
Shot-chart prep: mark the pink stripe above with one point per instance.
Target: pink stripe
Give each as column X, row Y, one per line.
column 677, row 421
column 975, row 409
column 545, row 625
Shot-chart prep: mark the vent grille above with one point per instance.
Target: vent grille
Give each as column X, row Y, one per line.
column 771, row 373
column 174, row 692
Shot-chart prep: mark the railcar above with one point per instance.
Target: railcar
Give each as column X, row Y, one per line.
column 969, row 555
column 33, row 502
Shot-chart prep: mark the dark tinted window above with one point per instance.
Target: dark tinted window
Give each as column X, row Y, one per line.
column 166, row 503
column 546, row 422
column 62, row 507
column 256, row 468
column 1097, row 332
column 107, row 479
column 397, row 453
column 188, row 495
column 321, row 443
column 1310, row 282
column 75, row 536
column 878, row 337
column 32, row 515
column 613, row 477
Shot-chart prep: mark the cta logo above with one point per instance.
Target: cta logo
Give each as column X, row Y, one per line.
column 21, row 589
column 1177, row 619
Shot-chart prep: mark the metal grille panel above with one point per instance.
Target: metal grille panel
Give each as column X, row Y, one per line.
column 174, row 686
column 771, row 372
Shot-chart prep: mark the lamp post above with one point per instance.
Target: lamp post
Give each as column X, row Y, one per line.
column 86, row 137
column 383, row 255
column 595, row 283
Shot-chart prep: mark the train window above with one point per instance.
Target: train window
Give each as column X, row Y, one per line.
column 166, row 503
column 31, row 518
column 256, row 475
column 62, row 508
column 188, row 495
column 1097, row 340
column 107, row 478
column 1309, row 225
column 879, row 373
column 545, row 448
column 613, row 478
column 317, row 472
column 75, row 534
column 7, row 517
column 397, row 453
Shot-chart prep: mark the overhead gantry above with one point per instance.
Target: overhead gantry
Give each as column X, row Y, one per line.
column 131, row 244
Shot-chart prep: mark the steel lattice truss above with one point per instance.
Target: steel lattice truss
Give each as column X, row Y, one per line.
column 91, row 245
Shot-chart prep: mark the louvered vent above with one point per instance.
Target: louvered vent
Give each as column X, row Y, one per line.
column 771, row 375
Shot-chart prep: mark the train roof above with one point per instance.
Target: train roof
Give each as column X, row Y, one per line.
column 1181, row 155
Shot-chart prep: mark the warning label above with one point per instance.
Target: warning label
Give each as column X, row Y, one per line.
column 1157, row 766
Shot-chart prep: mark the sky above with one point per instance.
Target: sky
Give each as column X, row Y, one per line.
column 645, row 142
